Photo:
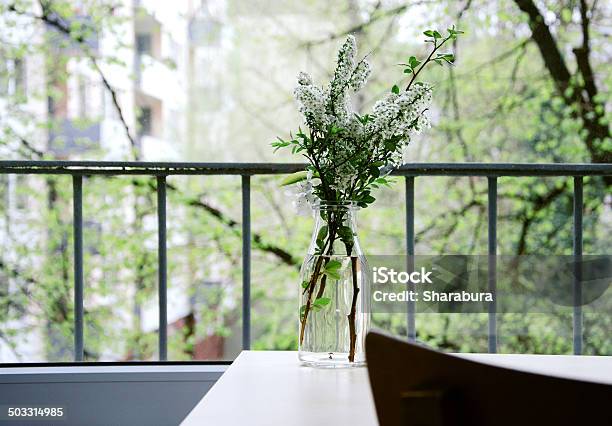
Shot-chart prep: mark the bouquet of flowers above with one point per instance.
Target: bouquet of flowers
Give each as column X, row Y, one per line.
column 350, row 154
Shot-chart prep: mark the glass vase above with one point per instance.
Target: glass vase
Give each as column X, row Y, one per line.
column 333, row 316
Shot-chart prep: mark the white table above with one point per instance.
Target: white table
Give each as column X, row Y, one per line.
column 271, row 388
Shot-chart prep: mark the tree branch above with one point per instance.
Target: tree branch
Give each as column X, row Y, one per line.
column 541, row 35
column 539, row 203
column 582, row 54
column 375, row 16
column 259, row 241
column 50, row 17
column 26, row 144
column 588, row 110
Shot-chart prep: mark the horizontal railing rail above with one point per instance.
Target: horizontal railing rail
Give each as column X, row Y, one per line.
column 246, row 169
column 161, row 170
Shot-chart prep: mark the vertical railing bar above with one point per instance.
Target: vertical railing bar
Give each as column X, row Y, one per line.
column 162, row 270
column 246, row 262
column 77, row 211
column 410, row 237
column 577, row 249
column 492, row 262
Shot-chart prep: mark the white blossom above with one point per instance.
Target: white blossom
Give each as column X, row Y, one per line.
column 303, row 197
column 345, row 66
column 311, row 100
column 360, row 75
column 401, row 114
column 329, row 114
column 332, row 106
column 304, row 79
column 345, row 176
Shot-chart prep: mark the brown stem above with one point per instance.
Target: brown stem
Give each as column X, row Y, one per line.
column 351, row 316
column 311, row 287
column 427, row 61
column 322, row 285
column 315, row 276
column 323, row 282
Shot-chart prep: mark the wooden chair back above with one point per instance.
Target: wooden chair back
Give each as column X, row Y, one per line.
column 416, row 386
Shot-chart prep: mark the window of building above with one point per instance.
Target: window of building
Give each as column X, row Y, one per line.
column 4, row 77
column 21, row 192
column 82, row 97
column 144, row 45
column 145, row 121
column 4, row 191
column 12, row 77
column 19, row 77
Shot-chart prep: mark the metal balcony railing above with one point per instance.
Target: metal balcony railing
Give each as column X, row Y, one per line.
column 492, row 171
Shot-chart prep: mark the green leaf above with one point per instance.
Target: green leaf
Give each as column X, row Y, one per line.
column 333, row 265
column 362, row 119
column 335, row 130
column 395, row 89
column 383, row 181
column 437, row 34
column 334, row 275
column 331, row 269
column 322, row 232
column 429, row 33
column 414, row 62
column 448, row 57
column 280, row 144
column 345, row 233
column 294, row 178
column 453, row 33
column 305, row 284
column 368, row 199
column 322, row 301
column 407, row 70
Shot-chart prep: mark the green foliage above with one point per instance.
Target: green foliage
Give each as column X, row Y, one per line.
column 332, row 269
column 294, row 178
column 337, row 154
column 320, row 303
column 507, row 110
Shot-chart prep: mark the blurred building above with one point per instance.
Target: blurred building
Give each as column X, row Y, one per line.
column 157, row 53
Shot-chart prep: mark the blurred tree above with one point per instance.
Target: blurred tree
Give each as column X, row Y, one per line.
column 530, row 85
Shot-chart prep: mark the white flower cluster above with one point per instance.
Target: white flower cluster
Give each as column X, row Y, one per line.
column 312, row 102
column 304, row 79
column 303, row 195
column 331, row 106
column 395, row 115
column 346, row 174
column 348, row 143
column 401, row 114
column 360, row 75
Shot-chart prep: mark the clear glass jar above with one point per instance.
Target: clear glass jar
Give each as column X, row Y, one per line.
column 333, row 316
